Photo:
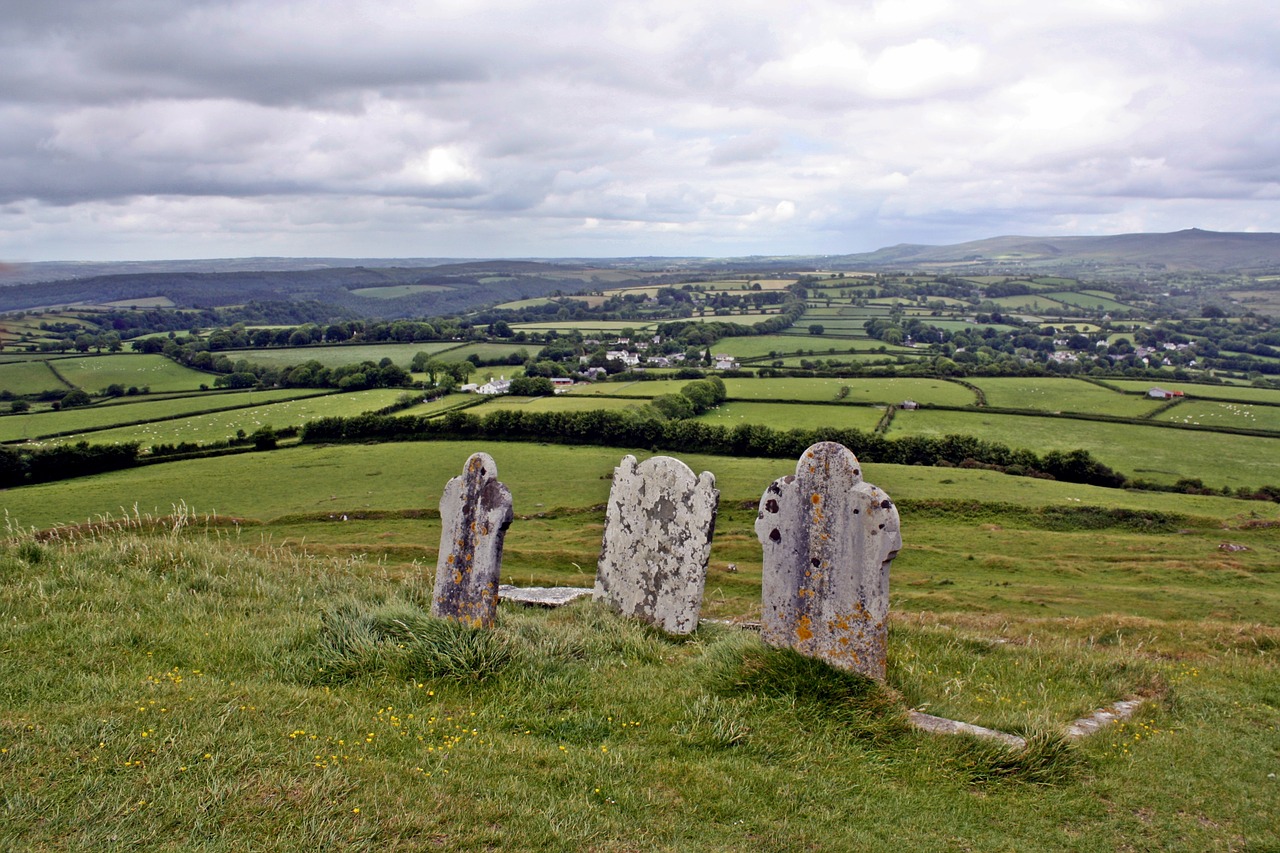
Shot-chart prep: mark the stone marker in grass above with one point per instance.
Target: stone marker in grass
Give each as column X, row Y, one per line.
column 475, row 511
column 657, row 540
column 828, row 541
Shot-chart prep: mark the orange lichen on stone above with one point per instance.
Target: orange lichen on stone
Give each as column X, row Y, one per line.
column 803, row 629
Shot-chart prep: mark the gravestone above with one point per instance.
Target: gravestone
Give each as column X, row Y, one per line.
column 475, row 512
column 828, row 541
column 657, row 541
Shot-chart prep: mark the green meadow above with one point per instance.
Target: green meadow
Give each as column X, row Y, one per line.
column 1230, row 415
column 28, row 377
column 1063, row 395
column 338, row 355
column 131, row 409
column 1160, row 454
column 222, row 425
column 94, row 373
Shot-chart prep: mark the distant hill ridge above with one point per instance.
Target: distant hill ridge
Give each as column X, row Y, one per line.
column 1191, row 249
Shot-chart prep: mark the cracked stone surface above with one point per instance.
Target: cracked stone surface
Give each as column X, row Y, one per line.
column 475, row 512
column 828, row 540
column 657, row 542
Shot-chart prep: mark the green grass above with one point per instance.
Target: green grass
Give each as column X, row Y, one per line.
column 219, row 426
column 197, row 690
column 558, row 403
column 1062, row 395
column 1148, row 452
column 94, row 373
column 28, row 377
column 339, row 355
column 398, row 290
column 489, row 351
column 890, row 390
column 127, row 409
column 1236, row 415
column 794, row 415
column 1208, row 392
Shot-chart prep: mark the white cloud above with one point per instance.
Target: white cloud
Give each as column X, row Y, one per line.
column 639, row 127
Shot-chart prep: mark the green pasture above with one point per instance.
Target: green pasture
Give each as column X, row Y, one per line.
column 794, row 415
column 967, row 325
column 1094, row 300
column 1033, row 302
column 884, row 391
column 219, row 426
column 755, row 346
column 1160, row 454
column 646, row 388
column 396, row 291
column 871, row 356
column 1061, row 395
column 402, row 476
column 338, row 355
column 488, row 351
column 193, row 690
column 94, row 373
column 28, row 377
column 1207, row 392
column 130, row 409
column 1221, row 414
column 520, row 304
column 588, row 327
column 558, row 403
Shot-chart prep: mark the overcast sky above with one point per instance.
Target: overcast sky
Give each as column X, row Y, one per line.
column 148, row 129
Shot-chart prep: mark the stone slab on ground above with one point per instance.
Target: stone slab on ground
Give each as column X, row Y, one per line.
column 543, row 596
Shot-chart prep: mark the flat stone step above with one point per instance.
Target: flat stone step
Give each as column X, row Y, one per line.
column 542, row 596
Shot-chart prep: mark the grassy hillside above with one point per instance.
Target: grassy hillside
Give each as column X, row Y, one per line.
column 168, row 684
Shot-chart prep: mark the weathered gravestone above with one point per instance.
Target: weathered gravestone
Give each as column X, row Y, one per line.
column 475, row 512
column 828, row 540
column 657, row 541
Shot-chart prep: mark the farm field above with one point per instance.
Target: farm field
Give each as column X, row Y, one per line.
column 1153, row 453
column 488, row 352
column 1061, row 395
column 339, row 354
column 1207, row 392
column 607, row 327
column 93, row 373
column 794, row 415
column 395, row 291
column 889, row 390
column 1091, row 300
column 33, row 425
column 558, row 403
column 756, row 347
column 1032, row 302
column 28, row 377
column 1219, row 414
column 219, row 426
column 403, row 476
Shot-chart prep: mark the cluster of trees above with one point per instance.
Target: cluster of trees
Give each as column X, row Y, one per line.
column 21, row 465
column 311, row 374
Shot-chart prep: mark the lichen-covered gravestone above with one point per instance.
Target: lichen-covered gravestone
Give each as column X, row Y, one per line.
column 657, row 540
column 475, row 512
column 828, row 540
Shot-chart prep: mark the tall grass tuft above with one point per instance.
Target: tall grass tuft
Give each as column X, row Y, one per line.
column 1047, row 759
column 400, row 641
column 864, row 707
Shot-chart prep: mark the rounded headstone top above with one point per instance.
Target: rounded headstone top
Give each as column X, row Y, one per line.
column 829, row 457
